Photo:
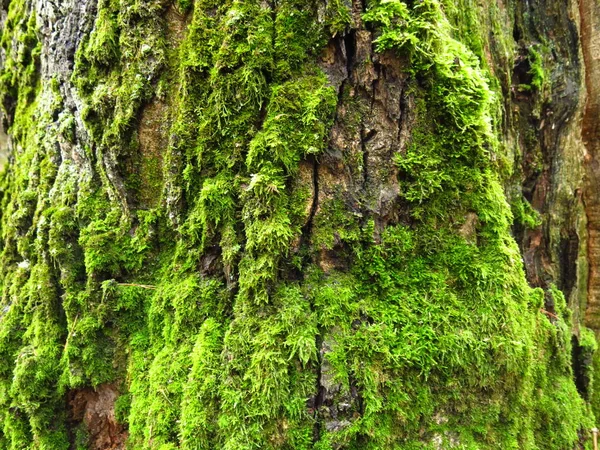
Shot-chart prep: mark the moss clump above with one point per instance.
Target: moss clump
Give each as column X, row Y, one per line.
column 267, row 108
column 524, row 214
column 538, row 75
column 427, row 338
column 335, row 226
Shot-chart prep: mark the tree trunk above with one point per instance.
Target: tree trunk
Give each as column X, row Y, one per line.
column 299, row 224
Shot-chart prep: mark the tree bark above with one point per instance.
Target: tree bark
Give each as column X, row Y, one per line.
column 299, row 224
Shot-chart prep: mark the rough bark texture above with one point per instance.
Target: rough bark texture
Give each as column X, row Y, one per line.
column 299, row 224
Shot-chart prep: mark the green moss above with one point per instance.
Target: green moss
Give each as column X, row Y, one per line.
column 536, row 70
column 18, row 80
column 334, row 225
column 446, row 172
column 524, row 214
column 200, row 407
column 32, row 324
column 428, row 337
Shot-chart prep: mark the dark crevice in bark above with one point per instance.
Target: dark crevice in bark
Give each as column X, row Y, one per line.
column 315, row 203
column 568, row 253
column 273, row 6
column 581, row 363
column 340, row 100
column 364, row 138
column 403, row 111
column 363, row 5
column 317, row 401
column 295, row 272
column 350, row 51
column 516, row 32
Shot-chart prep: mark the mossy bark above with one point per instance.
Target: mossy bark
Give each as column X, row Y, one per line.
column 299, row 224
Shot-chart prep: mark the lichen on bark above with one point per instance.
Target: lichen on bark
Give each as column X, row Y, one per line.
column 296, row 224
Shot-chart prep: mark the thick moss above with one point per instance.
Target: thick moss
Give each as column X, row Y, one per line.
column 209, row 309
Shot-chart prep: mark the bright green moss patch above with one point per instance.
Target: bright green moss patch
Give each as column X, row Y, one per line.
column 537, row 72
column 524, row 214
column 206, row 305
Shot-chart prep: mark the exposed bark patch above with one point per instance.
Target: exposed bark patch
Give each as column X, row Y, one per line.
column 96, row 410
column 543, row 88
column 334, row 62
column 211, row 262
column 335, row 405
column 176, row 26
column 153, row 129
column 582, row 362
column 306, row 180
column 590, row 44
column 568, row 254
column 154, row 125
column 468, row 230
column 308, row 175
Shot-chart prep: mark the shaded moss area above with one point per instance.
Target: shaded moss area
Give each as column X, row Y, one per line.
column 207, row 304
